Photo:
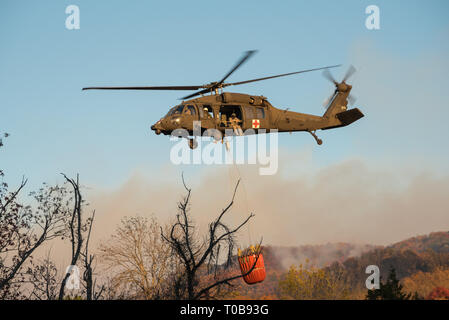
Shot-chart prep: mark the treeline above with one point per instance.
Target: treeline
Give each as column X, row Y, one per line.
column 416, row 264
column 405, row 263
column 143, row 259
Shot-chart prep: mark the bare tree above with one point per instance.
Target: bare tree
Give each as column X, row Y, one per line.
column 206, row 255
column 43, row 277
column 77, row 228
column 89, row 281
column 140, row 261
column 25, row 228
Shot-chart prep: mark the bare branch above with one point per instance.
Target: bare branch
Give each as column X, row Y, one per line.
column 193, row 255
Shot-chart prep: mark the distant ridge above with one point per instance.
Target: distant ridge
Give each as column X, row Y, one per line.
column 437, row 241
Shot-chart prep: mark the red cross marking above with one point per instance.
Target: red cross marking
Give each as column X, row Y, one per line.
column 256, row 124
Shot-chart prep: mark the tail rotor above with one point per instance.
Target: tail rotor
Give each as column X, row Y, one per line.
column 340, row 86
column 349, row 73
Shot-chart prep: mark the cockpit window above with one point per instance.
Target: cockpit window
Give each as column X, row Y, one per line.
column 190, row 110
column 169, row 113
column 176, row 110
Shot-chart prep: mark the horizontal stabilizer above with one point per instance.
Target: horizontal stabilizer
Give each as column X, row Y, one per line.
column 347, row 117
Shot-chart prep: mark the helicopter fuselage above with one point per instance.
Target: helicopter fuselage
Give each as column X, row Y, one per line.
column 253, row 112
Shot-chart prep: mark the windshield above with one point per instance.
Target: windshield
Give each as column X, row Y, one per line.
column 176, row 110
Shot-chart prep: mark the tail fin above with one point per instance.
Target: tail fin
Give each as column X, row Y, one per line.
column 337, row 112
column 337, row 104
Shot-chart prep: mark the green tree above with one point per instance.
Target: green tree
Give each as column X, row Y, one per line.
column 391, row 290
column 310, row 283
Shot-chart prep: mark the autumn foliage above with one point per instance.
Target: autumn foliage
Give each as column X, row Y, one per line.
column 439, row 293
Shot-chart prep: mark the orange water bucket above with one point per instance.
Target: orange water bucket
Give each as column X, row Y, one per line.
column 258, row 273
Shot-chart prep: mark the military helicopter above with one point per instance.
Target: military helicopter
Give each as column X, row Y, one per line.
column 222, row 110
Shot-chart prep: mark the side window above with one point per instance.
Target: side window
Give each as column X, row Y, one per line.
column 190, row 110
column 206, row 111
column 249, row 113
column 260, row 113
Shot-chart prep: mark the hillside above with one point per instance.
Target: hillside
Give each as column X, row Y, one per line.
column 437, row 241
column 278, row 259
column 421, row 254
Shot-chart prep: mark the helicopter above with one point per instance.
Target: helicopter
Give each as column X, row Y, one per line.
column 224, row 111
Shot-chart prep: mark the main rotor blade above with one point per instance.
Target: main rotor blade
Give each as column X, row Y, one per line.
column 147, row 88
column 197, row 93
column 210, row 88
column 277, row 76
column 329, row 76
column 242, row 60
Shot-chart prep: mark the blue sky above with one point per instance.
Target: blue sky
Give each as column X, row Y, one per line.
column 105, row 136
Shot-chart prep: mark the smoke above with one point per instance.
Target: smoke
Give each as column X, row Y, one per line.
column 351, row 201
column 314, row 255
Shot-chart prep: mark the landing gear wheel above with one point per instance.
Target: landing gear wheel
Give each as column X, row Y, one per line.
column 193, row 143
column 318, row 140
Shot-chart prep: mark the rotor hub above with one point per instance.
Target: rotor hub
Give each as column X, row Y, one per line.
column 343, row 87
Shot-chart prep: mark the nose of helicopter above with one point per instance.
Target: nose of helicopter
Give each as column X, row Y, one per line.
column 157, row 127
column 166, row 125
